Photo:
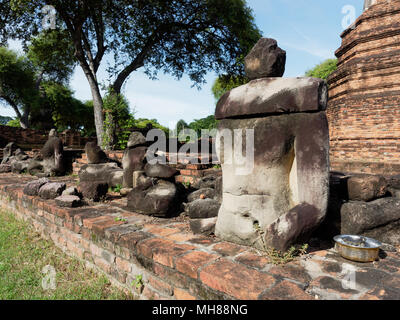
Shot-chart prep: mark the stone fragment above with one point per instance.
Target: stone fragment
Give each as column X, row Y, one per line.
column 136, row 139
column 125, row 191
column 203, row 208
column 157, row 200
column 366, row 187
column 203, row 226
column 71, row 191
column 68, row 201
column 379, row 219
column 160, row 171
column 208, row 193
column 108, row 173
column 133, row 160
column 273, row 96
column 5, row 168
column 95, row 154
column 266, row 59
column 32, row 188
column 206, row 182
column 93, row 190
column 51, row 190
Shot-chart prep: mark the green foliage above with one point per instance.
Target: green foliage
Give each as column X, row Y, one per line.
column 52, row 55
column 142, row 123
column 173, row 37
column 226, row 83
column 23, row 254
column 17, row 82
column 208, row 123
column 68, row 112
column 14, row 123
column 138, row 282
column 323, row 70
column 117, row 120
column 117, row 188
column 278, row 257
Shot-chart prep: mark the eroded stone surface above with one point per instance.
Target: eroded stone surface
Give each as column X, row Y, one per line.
column 266, row 59
column 273, row 96
column 379, row 219
column 158, row 199
column 286, row 192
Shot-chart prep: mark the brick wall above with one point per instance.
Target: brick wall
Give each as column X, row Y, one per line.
column 364, row 94
column 35, row 139
column 173, row 262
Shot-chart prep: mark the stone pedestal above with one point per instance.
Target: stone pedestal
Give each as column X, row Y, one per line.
column 281, row 196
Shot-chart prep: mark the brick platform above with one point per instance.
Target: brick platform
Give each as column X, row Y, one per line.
column 176, row 264
column 364, row 93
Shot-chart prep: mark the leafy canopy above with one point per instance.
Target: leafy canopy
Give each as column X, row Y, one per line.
column 323, row 70
column 226, row 83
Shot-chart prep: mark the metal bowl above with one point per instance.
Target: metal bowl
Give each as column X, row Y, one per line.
column 358, row 248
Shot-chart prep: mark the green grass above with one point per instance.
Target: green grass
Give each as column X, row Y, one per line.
column 23, row 254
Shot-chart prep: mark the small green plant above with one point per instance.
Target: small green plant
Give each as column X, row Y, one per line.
column 187, row 184
column 138, row 283
column 217, row 166
column 119, row 219
column 278, row 257
column 116, row 189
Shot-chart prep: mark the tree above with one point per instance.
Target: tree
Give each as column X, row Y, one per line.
column 48, row 58
column 208, row 123
column 66, row 111
column 226, row 83
column 17, row 84
column 176, row 37
column 323, row 70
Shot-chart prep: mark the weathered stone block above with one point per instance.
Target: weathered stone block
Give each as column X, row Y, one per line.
column 51, row 190
column 273, row 96
column 379, row 219
column 282, row 196
column 157, row 200
column 266, row 59
column 366, row 187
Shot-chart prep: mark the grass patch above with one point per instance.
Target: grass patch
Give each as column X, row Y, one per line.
column 24, row 254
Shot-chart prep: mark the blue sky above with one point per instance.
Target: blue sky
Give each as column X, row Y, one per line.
column 309, row 31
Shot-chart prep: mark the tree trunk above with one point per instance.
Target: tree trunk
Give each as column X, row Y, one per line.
column 97, row 110
column 24, row 120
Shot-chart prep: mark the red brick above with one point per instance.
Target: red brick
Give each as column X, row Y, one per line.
column 228, row 249
column 291, row 271
column 180, row 237
column 162, row 251
column 161, row 231
column 286, row 290
column 190, row 263
column 181, row 294
column 153, row 295
column 122, row 264
column 131, row 240
column 88, row 223
column 173, row 276
column 236, row 280
column 161, row 286
column 252, row 260
column 102, row 264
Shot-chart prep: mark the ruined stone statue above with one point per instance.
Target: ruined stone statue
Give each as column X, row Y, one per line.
column 50, row 161
column 279, row 194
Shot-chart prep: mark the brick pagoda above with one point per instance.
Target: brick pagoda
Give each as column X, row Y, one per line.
column 364, row 106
